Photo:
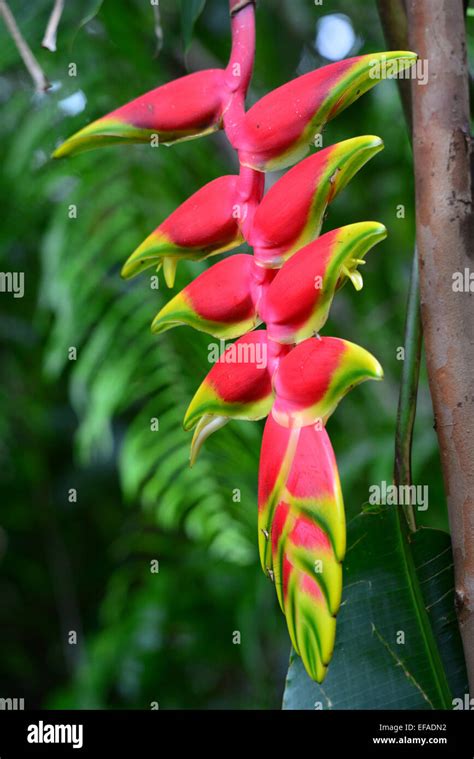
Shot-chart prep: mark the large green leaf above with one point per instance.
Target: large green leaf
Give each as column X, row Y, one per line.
column 398, row 644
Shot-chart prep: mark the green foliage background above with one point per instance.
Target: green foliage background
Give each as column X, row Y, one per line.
column 84, row 424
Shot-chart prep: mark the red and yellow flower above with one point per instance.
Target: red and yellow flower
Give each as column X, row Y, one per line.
column 283, row 372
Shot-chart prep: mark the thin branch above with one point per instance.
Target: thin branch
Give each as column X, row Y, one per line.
column 34, row 69
column 49, row 39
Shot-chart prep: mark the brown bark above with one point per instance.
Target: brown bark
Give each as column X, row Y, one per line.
column 444, row 213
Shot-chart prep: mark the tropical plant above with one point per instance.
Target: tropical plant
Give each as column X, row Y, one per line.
column 90, row 421
column 289, row 283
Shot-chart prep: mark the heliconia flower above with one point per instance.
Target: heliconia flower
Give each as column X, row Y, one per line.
column 302, row 536
column 291, row 213
column 279, row 128
column 316, row 375
column 205, row 224
column 188, row 107
column 239, row 385
column 281, row 372
column 223, row 301
column 297, row 302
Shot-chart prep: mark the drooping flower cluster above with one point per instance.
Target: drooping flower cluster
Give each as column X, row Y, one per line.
column 286, row 371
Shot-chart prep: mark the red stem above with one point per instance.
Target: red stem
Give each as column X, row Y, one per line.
column 252, row 183
column 240, row 67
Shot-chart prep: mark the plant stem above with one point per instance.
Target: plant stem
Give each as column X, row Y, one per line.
column 406, row 412
column 394, row 22
column 49, row 39
column 442, row 151
column 395, row 27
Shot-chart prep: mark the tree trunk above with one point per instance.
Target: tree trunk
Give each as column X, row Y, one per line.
column 444, row 214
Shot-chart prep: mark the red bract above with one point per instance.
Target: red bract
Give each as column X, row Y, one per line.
column 289, row 283
column 297, row 302
column 239, row 385
column 291, row 213
column 211, row 221
column 223, row 301
column 188, row 107
column 278, row 130
column 316, row 375
column 205, row 224
column 302, row 535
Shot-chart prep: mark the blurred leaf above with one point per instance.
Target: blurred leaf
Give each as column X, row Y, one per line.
column 190, row 12
column 90, row 11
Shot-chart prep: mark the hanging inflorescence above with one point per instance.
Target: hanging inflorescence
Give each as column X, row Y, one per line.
column 287, row 371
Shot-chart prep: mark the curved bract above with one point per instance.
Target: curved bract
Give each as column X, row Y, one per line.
column 298, row 300
column 302, row 536
column 289, row 283
column 278, row 130
column 181, row 110
column 204, row 225
column 222, row 301
column 239, row 385
column 314, row 377
column 291, row 213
